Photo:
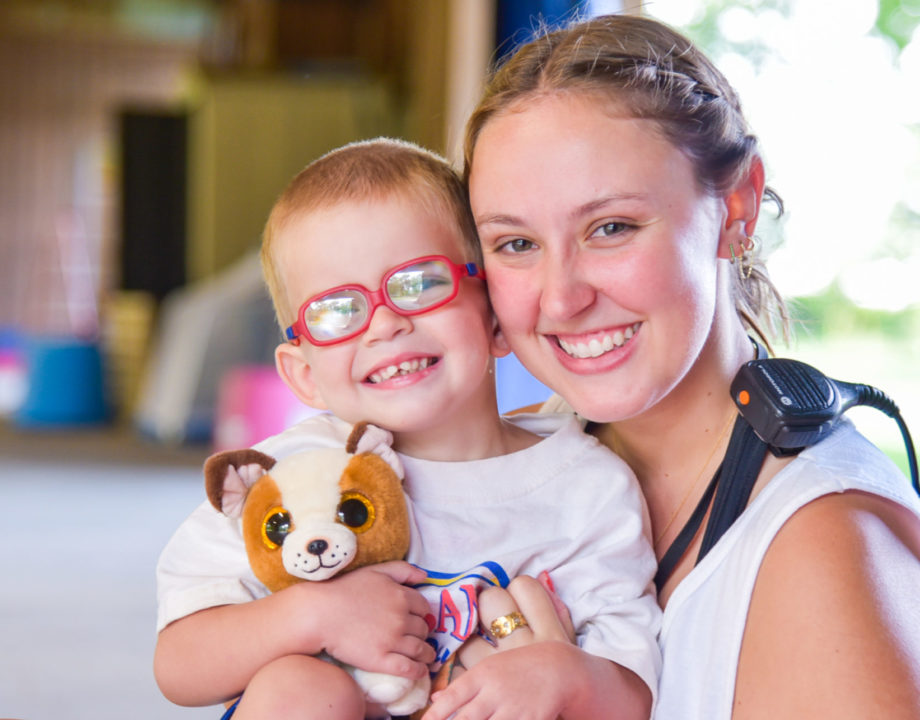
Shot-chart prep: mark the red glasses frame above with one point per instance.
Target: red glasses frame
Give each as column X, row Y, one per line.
column 376, row 298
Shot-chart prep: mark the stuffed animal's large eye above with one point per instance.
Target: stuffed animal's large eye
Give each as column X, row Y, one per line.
column 275, row 527
column 356, row 512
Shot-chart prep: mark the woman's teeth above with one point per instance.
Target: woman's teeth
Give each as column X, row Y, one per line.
column 404, row 368
column 600, row 345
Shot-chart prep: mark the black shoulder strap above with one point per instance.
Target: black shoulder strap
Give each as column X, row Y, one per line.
column 677, row 548
column 741, row 466
column 731, row 485
column 742, row 462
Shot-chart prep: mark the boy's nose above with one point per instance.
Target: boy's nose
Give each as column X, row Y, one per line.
column 385, row 325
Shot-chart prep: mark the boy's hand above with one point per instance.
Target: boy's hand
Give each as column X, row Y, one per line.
column 372, row 620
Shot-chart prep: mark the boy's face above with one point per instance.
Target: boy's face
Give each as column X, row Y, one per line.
column 444, row 355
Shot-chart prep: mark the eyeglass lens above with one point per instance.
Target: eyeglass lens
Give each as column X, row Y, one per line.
column 336, row 315
column 411, row 289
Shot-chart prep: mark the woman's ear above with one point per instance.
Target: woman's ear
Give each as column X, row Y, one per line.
column 297, row 374
column 742, row 208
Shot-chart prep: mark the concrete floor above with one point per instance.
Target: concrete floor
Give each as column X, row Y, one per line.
column 79, row 541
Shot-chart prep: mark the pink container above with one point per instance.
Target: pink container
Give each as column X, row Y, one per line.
column 252, row 404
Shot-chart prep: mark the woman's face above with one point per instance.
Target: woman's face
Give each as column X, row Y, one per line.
column 600, row 251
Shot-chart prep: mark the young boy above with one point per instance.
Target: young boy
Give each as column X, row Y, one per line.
column 371, row 257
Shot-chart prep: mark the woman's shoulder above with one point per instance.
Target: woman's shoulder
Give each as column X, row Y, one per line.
column 848, row 460
column 829, row 587
column 842, row 562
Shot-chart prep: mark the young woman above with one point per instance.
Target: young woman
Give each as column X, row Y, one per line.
column 616, row 190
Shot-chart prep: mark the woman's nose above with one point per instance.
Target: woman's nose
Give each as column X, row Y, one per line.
column 566, row 290
column 386, row 324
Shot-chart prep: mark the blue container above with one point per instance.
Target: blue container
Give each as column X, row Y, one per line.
column 66, row 383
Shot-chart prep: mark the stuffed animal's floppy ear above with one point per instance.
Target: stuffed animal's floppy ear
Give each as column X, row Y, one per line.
column 229, row 475
column 369, row 438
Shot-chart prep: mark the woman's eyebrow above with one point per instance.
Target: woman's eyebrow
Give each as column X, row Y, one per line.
column 498, row 219
column 587, row 208
column 600, row 203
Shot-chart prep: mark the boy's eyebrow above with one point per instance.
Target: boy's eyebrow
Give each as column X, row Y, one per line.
column 585, row 209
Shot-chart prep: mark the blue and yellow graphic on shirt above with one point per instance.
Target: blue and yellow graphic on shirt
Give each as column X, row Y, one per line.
column 454, row 605
column 489, row 573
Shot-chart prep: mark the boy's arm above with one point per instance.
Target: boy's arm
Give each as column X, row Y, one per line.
column 367, row 618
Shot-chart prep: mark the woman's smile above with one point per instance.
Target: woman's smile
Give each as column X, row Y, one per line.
column 596, row 344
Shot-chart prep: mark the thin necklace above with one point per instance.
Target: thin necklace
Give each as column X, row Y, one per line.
column 695, row 482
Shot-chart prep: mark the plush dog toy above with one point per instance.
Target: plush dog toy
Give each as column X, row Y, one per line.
column 317, row 513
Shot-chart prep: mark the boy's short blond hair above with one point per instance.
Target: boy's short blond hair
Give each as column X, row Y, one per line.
column 367, row 170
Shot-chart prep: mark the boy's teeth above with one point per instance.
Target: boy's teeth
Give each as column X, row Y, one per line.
column 598, row 346
column 404, row 368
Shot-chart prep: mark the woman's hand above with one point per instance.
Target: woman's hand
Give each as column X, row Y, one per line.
column 546, row 616
column 523, row 675
column 536, row 672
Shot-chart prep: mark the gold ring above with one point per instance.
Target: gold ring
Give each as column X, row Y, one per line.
column 503, row 626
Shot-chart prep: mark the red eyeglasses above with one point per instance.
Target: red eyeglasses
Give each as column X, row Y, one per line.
column 415, row 287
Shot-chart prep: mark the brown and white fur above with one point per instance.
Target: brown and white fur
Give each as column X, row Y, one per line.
column 311, row 487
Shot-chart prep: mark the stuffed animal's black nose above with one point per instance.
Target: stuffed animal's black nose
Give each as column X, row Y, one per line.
column 317, row 547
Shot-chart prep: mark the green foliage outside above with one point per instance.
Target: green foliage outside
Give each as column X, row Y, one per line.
column 844, row 340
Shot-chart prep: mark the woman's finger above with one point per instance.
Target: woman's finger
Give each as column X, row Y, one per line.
column 537, row 606
column 473, row 650
column 502, row 620
column 562, row 612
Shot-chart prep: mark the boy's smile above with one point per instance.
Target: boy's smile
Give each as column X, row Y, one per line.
column 400, row 369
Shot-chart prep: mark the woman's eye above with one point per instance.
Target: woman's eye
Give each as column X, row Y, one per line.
column 610, row 229
column 517, row 245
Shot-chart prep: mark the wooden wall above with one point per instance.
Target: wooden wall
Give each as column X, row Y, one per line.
column 63, row 84
column 59, row 98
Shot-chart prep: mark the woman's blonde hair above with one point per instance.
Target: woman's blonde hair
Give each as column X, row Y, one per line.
column 367, row 170
column 652, row 72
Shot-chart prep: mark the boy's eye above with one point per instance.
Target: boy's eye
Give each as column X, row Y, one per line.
column 275, row 527
column 356, row 512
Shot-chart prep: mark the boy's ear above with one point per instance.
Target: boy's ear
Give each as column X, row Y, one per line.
column 297, row 374
column 742, row 208
column 499, row 345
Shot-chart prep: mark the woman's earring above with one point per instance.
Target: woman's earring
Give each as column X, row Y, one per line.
column 745, row 258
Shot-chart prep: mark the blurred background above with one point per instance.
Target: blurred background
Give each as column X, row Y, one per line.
column 142, row 143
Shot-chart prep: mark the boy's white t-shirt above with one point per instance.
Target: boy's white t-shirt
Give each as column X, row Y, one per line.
column 566, row 505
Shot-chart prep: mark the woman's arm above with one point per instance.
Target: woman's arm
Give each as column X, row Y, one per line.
column 536, row 671
column 834, row 624
column 547, row 679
